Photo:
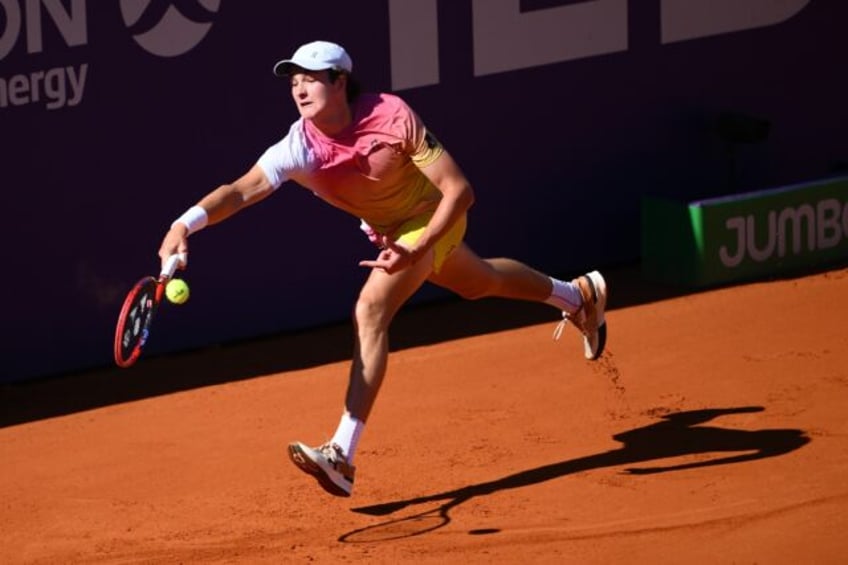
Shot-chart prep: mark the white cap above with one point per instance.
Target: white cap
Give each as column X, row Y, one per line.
column 316, row 56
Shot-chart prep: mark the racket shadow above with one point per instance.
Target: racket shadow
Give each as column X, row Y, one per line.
column 676, row 434
column 406, row 526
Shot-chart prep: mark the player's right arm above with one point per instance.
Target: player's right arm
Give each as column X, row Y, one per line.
column 215, row 207
column 228, row 199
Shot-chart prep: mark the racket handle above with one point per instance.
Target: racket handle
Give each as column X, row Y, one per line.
column 171, row 265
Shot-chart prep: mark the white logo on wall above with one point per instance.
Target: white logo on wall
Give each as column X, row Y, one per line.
column 169, row 29
column 165, row 28
column 507, row 37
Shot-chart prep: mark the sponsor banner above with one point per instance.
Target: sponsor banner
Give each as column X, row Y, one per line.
column 748, row 236
column 764, row 233
column 115, row 117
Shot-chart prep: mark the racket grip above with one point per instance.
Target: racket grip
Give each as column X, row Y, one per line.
column 171, row 265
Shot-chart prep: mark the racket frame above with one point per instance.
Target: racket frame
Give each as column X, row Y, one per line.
column 146, row 294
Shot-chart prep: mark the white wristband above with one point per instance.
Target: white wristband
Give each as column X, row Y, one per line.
column 195, row 219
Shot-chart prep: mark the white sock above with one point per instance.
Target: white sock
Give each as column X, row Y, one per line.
column 565, row 296
column 347, row 435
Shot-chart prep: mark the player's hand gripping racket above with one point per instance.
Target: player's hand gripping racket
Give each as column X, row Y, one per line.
column 133, row 327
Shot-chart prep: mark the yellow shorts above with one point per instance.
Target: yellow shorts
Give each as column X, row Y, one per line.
column 409, row 232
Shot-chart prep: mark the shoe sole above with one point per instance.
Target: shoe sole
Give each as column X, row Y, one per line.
column 599, row 291
column 308, row 466
column 602, row 342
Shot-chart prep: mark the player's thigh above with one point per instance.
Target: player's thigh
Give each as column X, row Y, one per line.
column 465, row 273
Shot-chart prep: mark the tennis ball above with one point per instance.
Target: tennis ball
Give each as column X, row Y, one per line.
column 177, row 291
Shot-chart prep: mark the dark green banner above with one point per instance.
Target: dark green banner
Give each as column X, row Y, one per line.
column 746, row 236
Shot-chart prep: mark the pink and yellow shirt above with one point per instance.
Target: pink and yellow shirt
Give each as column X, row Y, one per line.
column 370, row 169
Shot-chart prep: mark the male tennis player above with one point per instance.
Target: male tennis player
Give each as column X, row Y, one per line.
column 372, row 156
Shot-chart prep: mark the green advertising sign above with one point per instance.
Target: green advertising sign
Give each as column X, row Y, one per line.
column 746, row 236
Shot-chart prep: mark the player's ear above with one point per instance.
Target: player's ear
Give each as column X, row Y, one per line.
column 341, row 82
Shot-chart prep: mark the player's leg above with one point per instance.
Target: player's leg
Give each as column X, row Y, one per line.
column 466, row 274
column 581, row 301
column 381, row 297
column 379, row 300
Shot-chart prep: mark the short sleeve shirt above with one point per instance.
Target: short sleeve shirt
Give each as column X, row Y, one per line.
column 371, row 169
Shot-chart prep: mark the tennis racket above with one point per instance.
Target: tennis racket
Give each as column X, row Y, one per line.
column 136, row 316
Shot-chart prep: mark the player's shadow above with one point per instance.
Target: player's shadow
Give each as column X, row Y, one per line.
column 677, row 434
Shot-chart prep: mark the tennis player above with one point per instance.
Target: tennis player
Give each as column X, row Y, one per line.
column 372, row 156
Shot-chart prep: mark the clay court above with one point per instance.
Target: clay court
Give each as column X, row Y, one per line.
column 713, row 431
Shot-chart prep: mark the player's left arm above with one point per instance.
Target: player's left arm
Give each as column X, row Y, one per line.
column 457, row 198
column 435, row 163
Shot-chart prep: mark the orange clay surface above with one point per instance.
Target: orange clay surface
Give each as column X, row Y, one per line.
column 713, row 431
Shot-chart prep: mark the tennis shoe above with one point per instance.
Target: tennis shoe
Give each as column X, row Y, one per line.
column 589, row 319
column 327, row 463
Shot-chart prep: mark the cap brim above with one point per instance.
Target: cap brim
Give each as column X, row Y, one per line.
column 284, row 68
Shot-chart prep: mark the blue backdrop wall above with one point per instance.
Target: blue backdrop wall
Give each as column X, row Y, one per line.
column 117, row 116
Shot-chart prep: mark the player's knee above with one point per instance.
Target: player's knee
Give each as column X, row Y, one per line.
column 470, row 288
column 370, row 312
column 473, row 292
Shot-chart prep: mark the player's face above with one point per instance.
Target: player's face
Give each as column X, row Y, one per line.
column 314, row 95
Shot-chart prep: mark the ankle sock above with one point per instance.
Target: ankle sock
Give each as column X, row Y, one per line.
column 347, row 435
column 565, row 296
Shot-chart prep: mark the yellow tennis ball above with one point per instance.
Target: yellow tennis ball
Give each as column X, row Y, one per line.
column 177, row 291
